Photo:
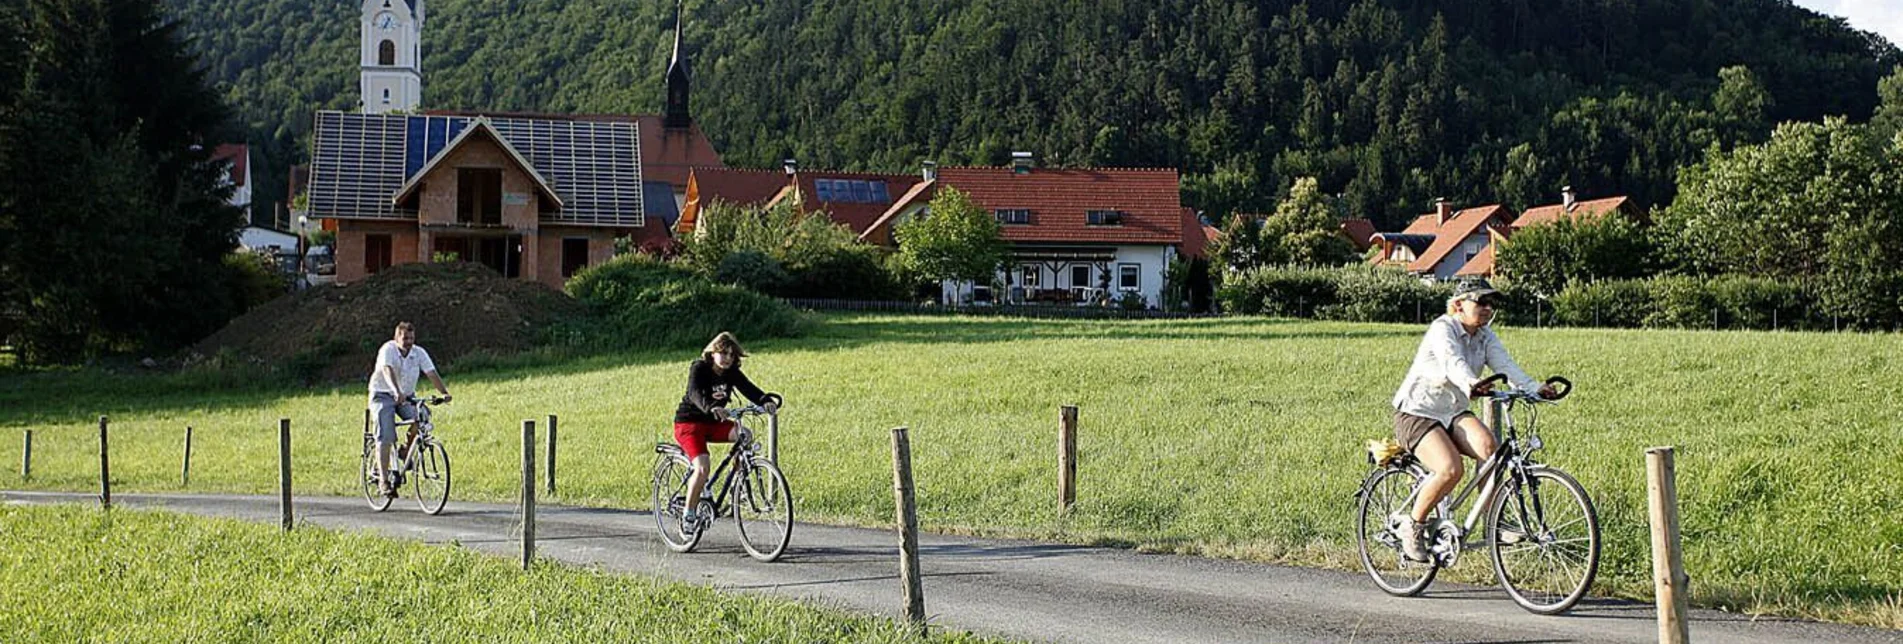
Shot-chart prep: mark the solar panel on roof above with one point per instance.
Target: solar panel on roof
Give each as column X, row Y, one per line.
column 360, row 161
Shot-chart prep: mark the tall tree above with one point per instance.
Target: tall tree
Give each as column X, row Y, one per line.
column 1304, row 230
column 954, row 239
column 119, row 217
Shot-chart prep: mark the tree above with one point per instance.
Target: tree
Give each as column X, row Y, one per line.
column 1240, row 246
column 952, row 239
column 1547, row 257
column 118, row 225
column 1304, row 230
column 1742, row 104
column 1817, row 203
column 1888, row 120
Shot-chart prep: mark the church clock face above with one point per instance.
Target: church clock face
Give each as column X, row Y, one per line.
column 385, row 21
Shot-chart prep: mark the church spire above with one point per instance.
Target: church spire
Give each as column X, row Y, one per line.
column 677, row 115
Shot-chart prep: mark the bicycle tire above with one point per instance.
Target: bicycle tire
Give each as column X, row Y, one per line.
column 367, row 469
column 429, row 476
column 671, row 474
column 1383, row 495
column 1553, row 540
column 763, row 510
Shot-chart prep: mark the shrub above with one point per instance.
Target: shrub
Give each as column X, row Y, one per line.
column 639, row 301
column 856, row 272
column 1277, row 291
column 254, row 279
column 1607, row 303
column 1369, row 294
column 752, row 269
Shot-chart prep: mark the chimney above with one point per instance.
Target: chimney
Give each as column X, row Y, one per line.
column 929, row 170
column 1567, row 199
column 1022, row 162
column 1443, row 211
column 792, row 166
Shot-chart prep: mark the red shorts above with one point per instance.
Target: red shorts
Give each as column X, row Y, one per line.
column 694, row 437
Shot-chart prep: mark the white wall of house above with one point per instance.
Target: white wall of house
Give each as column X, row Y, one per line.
column 1469, row 247
column 1138, row 268
column 255, row 238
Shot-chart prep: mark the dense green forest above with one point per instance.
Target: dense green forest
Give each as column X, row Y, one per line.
column 1389, row 103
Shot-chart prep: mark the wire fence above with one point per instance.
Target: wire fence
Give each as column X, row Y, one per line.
column 1001, row 310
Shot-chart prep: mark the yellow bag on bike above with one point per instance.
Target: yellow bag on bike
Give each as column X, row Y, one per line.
column 1383, row 451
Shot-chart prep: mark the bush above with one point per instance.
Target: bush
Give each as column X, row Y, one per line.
column 752, row 269
column 1369, row 294
column 856, row 272
column 1287, row 292
column 1679, row 302
column 254, row 279
column 638, row 301
column 1606, row 303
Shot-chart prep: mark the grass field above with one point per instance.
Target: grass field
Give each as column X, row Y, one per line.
column 1227, row 437
column 175, row 577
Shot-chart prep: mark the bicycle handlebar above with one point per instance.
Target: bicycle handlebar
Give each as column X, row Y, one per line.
column 432, row 401
column 1561, row 389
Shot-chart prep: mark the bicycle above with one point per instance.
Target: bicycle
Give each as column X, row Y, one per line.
column 755, row 494
column 427, row 463
column 1544, row 547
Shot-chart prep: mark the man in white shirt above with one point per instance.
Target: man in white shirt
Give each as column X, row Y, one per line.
column 392, row 384
column 1430, row 410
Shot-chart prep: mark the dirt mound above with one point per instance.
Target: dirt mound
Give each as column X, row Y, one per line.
column 332, row 333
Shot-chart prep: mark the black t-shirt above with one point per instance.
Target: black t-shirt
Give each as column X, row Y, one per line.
column 708, row 389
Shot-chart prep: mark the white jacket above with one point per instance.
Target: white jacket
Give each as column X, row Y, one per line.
column 1447, row 366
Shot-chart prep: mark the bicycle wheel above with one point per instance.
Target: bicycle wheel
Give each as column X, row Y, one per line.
column 763, row 508
column 368, row 469
column 671, row 472
column 1544, row 538
column 1383, row 501
column 429, row 475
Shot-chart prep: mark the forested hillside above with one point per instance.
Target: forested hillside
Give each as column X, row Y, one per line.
column 1388, row 102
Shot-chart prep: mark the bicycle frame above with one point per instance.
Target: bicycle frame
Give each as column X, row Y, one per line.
column 1506, row 459
column 738, row 451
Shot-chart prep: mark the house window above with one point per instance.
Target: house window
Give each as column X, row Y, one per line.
column 1104, row 218
column 386, row 54
column 376, row 253
column 479, row 196
column 879, row 193
column 1013, row 216
column 823, row 188
column 1030, row 276
column 1080, row 275
column 862, row 192
column 386, row 96
column 1129, row 277
column 574, row 255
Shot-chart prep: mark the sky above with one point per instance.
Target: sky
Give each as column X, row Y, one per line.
column 1882, row 16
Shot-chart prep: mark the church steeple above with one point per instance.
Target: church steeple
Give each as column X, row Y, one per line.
column 677, row 115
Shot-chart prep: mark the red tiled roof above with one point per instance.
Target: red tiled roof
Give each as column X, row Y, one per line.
column 1422, row 225
column 1581, row 210
column 1060, row 198
column 857, row 215
column 653, row 237
column 1360, row 232
column 1195, row 234
column 731, row 185
column 240, row 157
column 880, row 232
column 1457, row 229
column 666, row 154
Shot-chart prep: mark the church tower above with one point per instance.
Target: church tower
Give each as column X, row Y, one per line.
column 391, row 73
column 676, row 115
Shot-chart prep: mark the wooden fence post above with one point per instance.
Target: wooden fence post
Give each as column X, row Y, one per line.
column 551, row 453
column 284, row 471
column 1066, row 457
column 105, row 469
column 528, row 493
column 902, row 495
column 773, row 437
column 26, row 457
column 1490, row 416
column 1668, row 568
column 185, row 469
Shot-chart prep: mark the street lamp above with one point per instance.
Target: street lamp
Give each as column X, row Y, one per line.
column 298, row 280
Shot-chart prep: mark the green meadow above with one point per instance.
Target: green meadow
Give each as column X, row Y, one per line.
column 1231, row 437
column 174, row 577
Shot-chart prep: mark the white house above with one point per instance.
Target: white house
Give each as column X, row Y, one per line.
column 1075, row 235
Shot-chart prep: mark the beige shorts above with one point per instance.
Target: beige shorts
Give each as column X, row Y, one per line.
column 1409, row 429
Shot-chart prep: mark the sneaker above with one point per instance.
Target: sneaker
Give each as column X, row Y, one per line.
column 690, row 525
column 1411, row 547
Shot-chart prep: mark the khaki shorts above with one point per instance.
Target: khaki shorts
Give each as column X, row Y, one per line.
column 1409, row 429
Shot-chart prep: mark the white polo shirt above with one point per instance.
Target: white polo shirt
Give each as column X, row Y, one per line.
column 408, row 368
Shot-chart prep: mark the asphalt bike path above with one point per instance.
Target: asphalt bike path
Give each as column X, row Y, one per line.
column 1021, row 589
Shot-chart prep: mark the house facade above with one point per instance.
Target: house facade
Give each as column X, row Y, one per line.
column 1450, row 244
column 855, row 199
column 1074, row 235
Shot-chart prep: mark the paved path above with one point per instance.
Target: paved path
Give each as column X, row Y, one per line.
column 1019, row 589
